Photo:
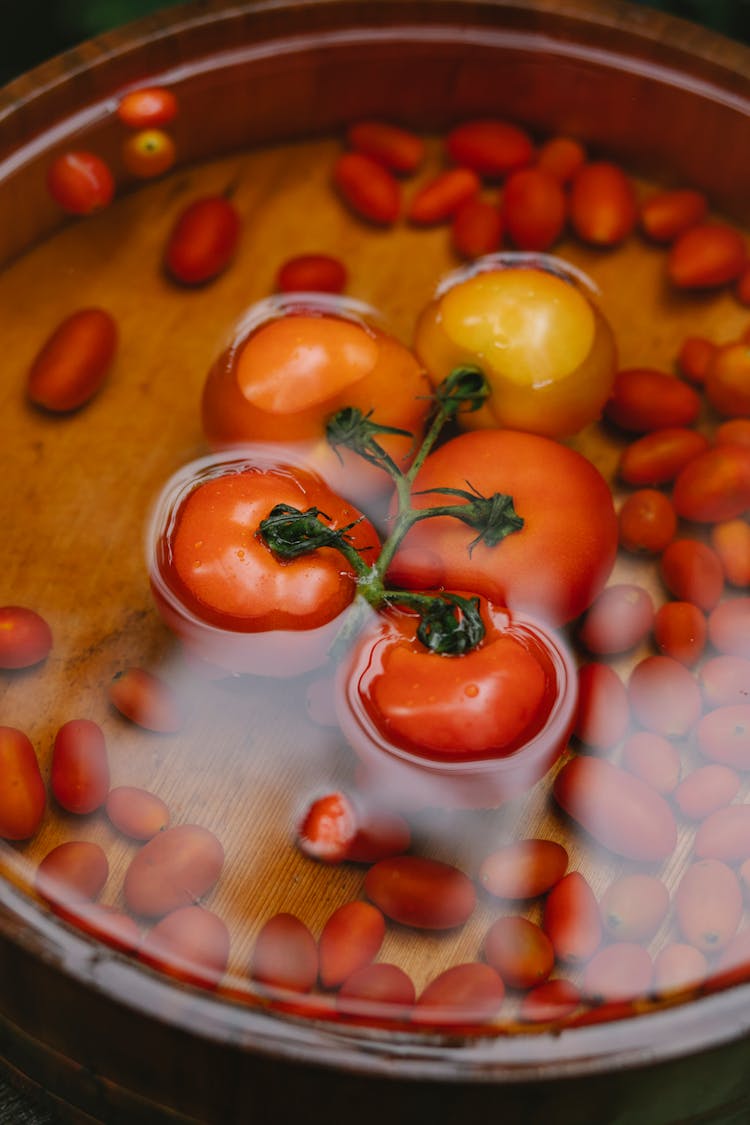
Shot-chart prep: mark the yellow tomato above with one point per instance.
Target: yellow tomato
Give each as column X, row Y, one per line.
column 546, row 351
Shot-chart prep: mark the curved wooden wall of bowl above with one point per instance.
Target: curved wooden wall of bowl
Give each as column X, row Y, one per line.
column 670, row 100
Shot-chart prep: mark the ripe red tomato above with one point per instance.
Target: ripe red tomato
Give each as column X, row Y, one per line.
column 467, row 730
column 555, row 565
column 221, row 588
column 203, row 240
column 80, row 182
column 291, row 367
column 147, row 108
column 545, row 350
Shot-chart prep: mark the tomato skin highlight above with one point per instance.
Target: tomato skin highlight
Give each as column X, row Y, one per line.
column 203, row 240
column 523, row 869
column 620, row 811
column 535, row 570
column 80, row 182
column 572, row 920
column 79, row 775
column 148, row 107
column 25, row 637
column 175, row 868
column 22, row 792
column 419, row 892
column 74, row 361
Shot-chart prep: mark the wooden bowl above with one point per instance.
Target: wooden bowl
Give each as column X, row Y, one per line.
column 265, row 91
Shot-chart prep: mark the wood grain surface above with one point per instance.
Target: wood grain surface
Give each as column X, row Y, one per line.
column 265, row 125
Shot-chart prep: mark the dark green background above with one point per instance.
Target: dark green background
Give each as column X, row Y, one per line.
column 34, row 30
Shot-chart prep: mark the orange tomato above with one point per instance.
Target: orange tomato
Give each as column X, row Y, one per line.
column 149, row 153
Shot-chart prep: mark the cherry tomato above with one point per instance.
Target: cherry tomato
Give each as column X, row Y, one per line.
column 652, row 758
column 618, row 620
column 603, row 209
column 368, row 188
column 291, row 368
column 545, row 568
column 659, row 456
column 523, row 869
column 666, row 214
column 572, row 920
column 644, row 400
column 73, row 362
column 22, row 792
column 708, row 905
column 714, row 486
column 474, row 728
column 634, row 906
column 175, row 868
column 79, row 776
column 678, row 968
column 285, row 955
column 705, row 790
column 149, row 153
column 693, row 358
column 73, row 872
column 725, row 835
column 727, row 384
column 731, row 541
column 549, row 1002
column 619, row 810
column 561, row 157
column 725, row 679
column 147, row 700
column 80, row 182
column 492, row 148
column 319, row 273
column 469, row 993
column 441, row 197
column 477, row 228
column 534, row 208
column 546, row 351
column 664, row 696
column 136, row 812
column 692, row 572
column 706, row 256
column 25, row 637
column 680, row 630
column 620, row 971
column 203, row 240
column 336, row 827
column 723, row 735
column 399, row 149
column 350, row 939
column 603, row 714
column 647, row 522
column 420, row 892
column 191, row 944
column 379, row 988
column 729, row 627
column 147, row 108
column 520, row 951
column 734, row 432
column 222, row 589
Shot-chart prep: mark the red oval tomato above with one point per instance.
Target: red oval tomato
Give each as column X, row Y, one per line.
column 79, row 776
column 470, row 729
column 292, row 368
column 560, row 559
column 420, row 892
column 147, row 107
column 25, row 637
column 203, row 240
column 80, row 182
column 221, row 588
column 22, row 792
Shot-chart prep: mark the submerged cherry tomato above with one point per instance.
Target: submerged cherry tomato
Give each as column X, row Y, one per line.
column 147, row 108
column 203, row 240
column 25, row 637
column 80, row 182
column 555, row 565
column 222, row 589
column 294, row 366
column 463, row 730
column 149, row 153
column 546, row 351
